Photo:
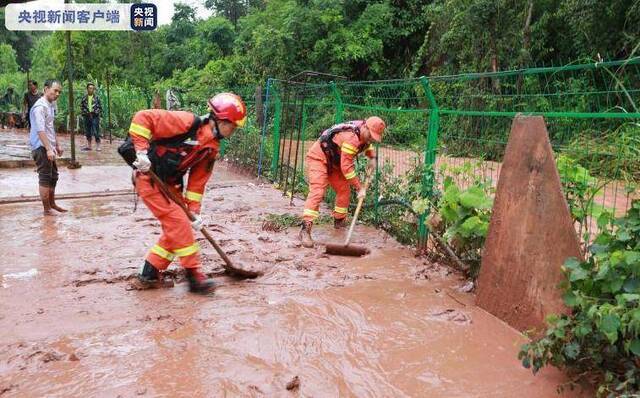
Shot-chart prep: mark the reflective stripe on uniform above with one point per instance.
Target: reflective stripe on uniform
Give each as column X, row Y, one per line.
column 349, row 149
column 311, row 213
column 340, row 210
column 140, row 130
column 350, row 175
column 167, row 255
column 196, row 197
column 187, row 251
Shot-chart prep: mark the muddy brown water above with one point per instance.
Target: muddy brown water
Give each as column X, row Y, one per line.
column 386, row 325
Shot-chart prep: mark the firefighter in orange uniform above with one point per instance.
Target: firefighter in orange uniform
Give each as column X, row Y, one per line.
column 173, row 143
column 331, row 161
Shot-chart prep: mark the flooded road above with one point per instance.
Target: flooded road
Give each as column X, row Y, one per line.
column 386, row 325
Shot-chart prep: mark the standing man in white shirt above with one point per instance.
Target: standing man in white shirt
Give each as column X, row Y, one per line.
column 44, row 145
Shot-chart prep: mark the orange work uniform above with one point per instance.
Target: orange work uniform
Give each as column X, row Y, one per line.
column 177, row 239
column 339, row 171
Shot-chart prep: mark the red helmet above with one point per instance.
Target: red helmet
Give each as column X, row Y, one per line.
column 228, row 106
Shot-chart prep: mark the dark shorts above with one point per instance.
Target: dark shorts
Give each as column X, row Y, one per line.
column 47, row 169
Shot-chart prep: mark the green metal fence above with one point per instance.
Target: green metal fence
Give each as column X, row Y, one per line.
column 404, row 172
column 456, row 128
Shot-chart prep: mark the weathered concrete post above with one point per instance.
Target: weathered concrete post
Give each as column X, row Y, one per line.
column 531, row 232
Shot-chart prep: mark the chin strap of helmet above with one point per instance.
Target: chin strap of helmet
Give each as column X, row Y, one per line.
column 217, row 134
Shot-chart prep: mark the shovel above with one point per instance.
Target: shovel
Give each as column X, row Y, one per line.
column 228, row 265
column 346, row 249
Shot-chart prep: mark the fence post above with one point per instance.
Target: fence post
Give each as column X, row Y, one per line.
column 73, row 164
column 428, row 178
column 109, row 126
column 304, row 138
column 276, row 132
column 339, row 103
column 263, row 132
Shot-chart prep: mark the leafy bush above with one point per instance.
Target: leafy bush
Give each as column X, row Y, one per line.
column 243, row 148
column 395, row 195
column 580, row 189
column 600, row 338
column 463, row 212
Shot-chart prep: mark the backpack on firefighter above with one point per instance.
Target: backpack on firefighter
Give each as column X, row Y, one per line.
column 330, row 148
column 165, row 154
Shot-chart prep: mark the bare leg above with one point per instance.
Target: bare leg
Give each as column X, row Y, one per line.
column 46, row 201
column 52, row 201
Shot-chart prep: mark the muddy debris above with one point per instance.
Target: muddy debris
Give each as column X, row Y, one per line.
column 255, row 388
column 52, row 356
column 135, row 284
column 451, row 315
column 301, row 266
column 141, row 391
column 264, row 238
column 73, row 357
column 272, row 226
column 293, row 384
column 467, row 287
column 107, row 280
column 6, row 389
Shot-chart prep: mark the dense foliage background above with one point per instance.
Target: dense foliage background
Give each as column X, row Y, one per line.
column 247, row 41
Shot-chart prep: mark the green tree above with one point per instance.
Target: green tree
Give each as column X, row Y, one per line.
column 8, row 63
column 233, row 10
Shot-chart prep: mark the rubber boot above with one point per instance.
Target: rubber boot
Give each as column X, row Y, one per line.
column 339, row 223
column 198, row 282
column 305, row 234
column 151, row 278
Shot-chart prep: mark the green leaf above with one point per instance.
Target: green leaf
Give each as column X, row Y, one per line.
column 570, row 299
column 623, row 235
column 582, row 330
column 630, row 297
column 609, row 325
column 616, row 257
column 572, row 263
column 474, row 226
column 632, row 285
column 634, row 347
column 451, row 194
column 603, row 271
column 475, row 198
column 572, row 350
column 615, row 285
column 578, row 274
column 631, row 257
column 448, row 214
column 597, row 248
column 448, row 181
column 604, row 219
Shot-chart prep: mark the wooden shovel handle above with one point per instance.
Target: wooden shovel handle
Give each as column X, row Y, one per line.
column 358, row 207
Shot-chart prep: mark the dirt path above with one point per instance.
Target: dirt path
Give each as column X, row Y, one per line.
column 386, row 325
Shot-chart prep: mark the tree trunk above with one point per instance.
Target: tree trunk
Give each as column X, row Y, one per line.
column 494, row 64
column 526, row 32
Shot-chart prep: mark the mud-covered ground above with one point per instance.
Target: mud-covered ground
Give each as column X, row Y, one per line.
column 386, row 325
